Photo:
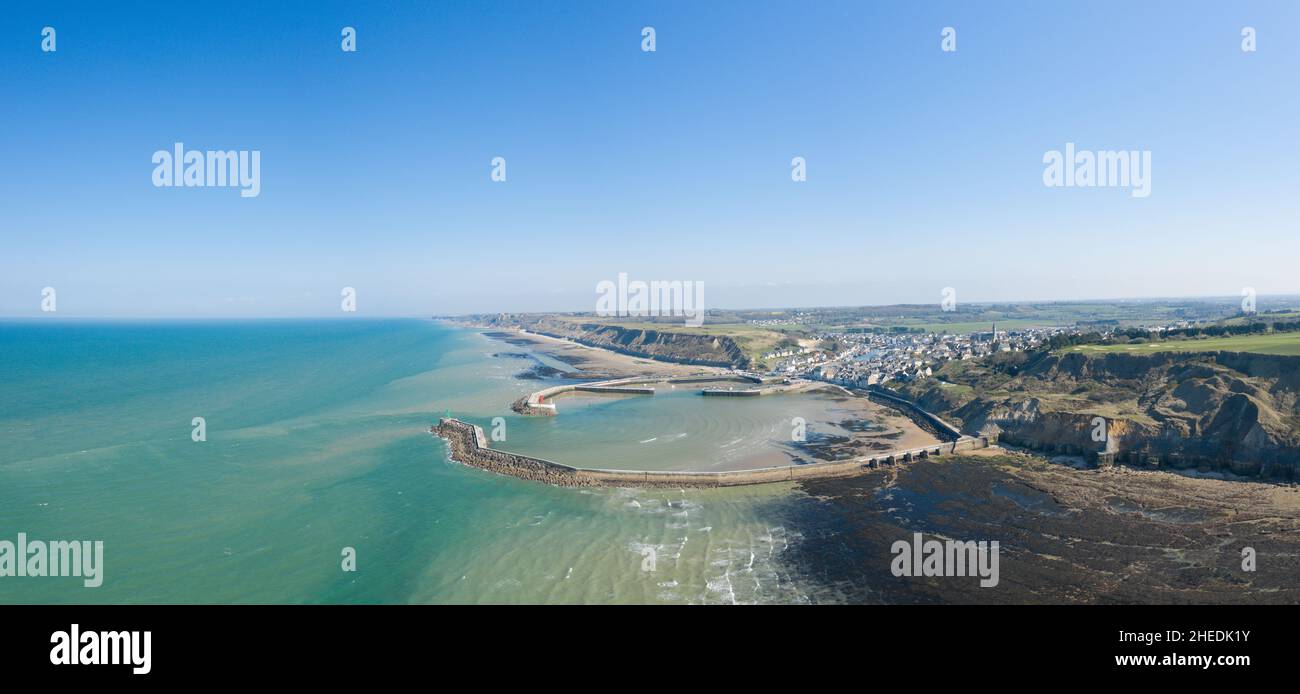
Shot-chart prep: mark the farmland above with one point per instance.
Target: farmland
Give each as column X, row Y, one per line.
column 1286, row 344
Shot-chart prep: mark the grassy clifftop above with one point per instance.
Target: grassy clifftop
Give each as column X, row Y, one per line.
column 1283, row 343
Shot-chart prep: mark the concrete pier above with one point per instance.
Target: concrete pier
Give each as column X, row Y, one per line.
column 538, row 404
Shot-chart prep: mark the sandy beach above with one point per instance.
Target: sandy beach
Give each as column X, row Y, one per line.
column 595, row 362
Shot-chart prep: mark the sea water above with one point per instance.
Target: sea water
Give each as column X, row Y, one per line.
column 316, row 442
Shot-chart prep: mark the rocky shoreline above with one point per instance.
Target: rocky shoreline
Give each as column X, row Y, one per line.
column 1068, row 536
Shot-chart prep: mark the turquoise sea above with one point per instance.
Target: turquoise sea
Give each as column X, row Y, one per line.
column 317, row 440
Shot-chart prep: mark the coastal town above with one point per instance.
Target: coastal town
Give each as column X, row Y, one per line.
column 857, row 359
column 861, row 359
column 833, row 345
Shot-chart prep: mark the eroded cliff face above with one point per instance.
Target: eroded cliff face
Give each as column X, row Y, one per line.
column 665, row 345
column 1217, row 410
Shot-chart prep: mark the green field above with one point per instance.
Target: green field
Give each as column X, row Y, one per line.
column 1287, row 344
column 1266, row 317
column 979, row 326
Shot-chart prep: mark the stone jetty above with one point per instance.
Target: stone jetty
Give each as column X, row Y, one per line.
column 468, row 446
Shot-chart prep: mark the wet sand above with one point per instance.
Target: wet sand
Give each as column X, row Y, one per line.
column 866, row 428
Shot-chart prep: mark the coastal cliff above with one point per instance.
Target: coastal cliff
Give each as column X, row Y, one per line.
column 1218, row 410
column 664, row 345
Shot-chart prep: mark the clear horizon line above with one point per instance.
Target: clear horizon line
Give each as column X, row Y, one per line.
column 430, row 315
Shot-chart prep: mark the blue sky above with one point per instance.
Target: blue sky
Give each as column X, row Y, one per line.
column 924, row 167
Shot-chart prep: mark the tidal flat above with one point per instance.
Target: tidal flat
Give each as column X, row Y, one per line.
column 1116, row 535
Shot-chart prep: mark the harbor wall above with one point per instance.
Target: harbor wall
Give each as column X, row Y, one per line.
column 469, row 447
column 926, row 419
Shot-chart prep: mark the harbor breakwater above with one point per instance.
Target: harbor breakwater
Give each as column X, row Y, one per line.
column 538, row 403
column 468, row 446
